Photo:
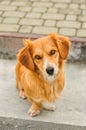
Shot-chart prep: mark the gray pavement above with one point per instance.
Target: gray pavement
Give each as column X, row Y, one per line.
column 66, row 17
column 71, row 107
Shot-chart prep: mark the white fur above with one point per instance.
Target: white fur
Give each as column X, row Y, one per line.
column 48, row 106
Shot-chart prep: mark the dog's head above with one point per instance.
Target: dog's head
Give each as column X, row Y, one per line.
column 45, row 54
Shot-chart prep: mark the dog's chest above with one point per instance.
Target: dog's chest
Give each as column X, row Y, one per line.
column 52, row 92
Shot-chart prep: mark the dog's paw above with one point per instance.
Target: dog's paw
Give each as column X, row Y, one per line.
column 33, row 112
column 49, row 106
column 22, row 94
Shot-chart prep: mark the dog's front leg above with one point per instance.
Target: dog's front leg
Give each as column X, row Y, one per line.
column 34, row 109
column 22, row 94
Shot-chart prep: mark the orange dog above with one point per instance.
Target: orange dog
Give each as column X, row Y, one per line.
column 40, row 71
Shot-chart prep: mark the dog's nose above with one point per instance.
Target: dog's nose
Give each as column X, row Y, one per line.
column 50, row 70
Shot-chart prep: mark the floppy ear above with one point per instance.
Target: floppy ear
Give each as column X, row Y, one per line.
column 62, row 43
column 24, row 55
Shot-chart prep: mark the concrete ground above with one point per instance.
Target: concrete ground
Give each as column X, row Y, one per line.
column 66, row 17
column 71, row 107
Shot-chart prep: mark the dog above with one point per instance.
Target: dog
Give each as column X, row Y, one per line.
column 40, row 71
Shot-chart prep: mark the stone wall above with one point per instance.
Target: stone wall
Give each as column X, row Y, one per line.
column 77, row 52
column 9, row 47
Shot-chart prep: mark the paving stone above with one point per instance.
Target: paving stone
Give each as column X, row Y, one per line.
column 50, row 23
column 25, row 29
column 1, row 12
column 5, row 2
column 33, row 15
column 53, row 16
column 39, row 9
column 9, row 28
column 74, row 6
column 27, row 21
column 52, row 10
column 84, row 25
column 7, row 8
column 82, row 18
column 26, row 8
column 11, row 20
column 67, row 32
column 43, row 30
column 13, row 13
column 34, row 0
column 84, row 12
column 81, row 33
column 61, row 1
column 83, row 6
column 19, row 3
column 61, row 5
column 62, row 14
column 78, row 1
column 70, row 11
column 71, row 17
column 0, row 20
column 45, row 0
column 68, row 24
column 42, row 4
column 21, row 0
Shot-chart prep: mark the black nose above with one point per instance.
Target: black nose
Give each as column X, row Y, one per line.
column 50, row 70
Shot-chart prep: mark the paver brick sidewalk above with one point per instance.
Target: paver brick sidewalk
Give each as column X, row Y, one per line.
column 66, row 17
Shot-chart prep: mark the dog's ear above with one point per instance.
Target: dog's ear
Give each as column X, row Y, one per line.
column 24, row 55
column 63, row 44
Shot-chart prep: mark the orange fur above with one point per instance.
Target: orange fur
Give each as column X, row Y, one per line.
column 32, row 80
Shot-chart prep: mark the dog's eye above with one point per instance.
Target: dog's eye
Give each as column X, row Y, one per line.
column 37, row 57
column 52, row 52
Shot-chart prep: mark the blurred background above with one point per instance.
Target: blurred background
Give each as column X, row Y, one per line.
column 65, row 17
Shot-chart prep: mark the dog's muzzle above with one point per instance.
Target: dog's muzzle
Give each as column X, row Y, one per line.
column 50, row 71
